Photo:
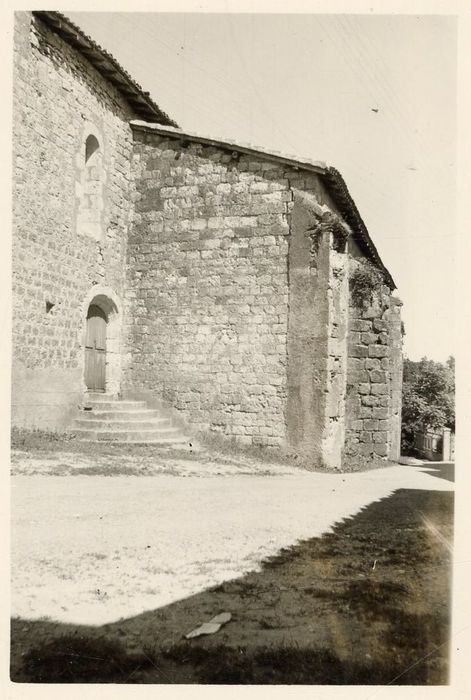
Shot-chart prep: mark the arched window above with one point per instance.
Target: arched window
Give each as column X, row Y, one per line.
column 90, row 191
column 91, row 147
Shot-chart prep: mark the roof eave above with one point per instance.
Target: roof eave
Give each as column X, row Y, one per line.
column 106, row 65
column 339, row 190
column 177, row 133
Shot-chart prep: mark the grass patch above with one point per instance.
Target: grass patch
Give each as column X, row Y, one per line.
column 375, row 598
column 224, row 446
column 89, row 659
column 229, row 446
column 79, row 658
column 210, row 447
column 291, row 665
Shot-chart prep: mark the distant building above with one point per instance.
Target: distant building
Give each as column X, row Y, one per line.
column 236, row 288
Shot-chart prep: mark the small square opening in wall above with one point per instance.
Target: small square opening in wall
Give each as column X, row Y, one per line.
column 49, row 306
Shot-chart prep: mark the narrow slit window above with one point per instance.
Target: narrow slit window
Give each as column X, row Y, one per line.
column 90, row 204
column 91, row 147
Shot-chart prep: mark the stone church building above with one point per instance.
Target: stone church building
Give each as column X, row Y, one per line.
column 233, row 290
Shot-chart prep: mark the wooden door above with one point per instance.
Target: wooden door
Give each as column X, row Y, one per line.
column 95, row 349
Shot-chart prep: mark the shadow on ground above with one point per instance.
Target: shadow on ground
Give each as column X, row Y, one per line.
column 442, row 470
column 365, row 604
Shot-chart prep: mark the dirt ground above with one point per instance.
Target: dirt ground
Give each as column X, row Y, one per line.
column 141, row 561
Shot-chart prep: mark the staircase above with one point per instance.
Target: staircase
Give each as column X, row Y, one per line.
column 105, row 418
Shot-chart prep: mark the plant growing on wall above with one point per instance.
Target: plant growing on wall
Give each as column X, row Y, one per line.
column 365, row 281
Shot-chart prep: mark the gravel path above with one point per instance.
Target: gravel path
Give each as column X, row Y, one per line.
column 94, row 549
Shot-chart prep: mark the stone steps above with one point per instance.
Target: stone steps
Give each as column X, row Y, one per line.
column 171, row 436
column 137, row 416
column 105, row 418
column 115, row 405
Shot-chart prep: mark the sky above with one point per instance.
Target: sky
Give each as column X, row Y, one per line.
column 374, row 96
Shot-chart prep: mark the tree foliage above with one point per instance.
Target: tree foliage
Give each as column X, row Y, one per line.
column 428, row 397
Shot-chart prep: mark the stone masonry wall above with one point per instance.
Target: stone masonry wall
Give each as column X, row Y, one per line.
column 208, row 288
column 208, row 298
column 58, row 257
column 395, row 370
column 317, row 333
column 374, row 374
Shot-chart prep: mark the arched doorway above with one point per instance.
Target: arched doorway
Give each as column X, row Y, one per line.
column 95, row 349
column 101, row 341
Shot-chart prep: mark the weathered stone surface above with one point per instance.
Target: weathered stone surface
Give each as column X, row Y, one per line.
column 370, row 400
column 70, row 215
column 380, row 412
column 369, row 338
column 371, row 410
column 370, row 425
column 357, row 376
column 218, row 315
column 367, row 449
column 379, row 389
column 363, row 388
column 356, row 363
column 372, row 363
column 378, row 351
column 359, row 351
column 356, row 425
column 357, row 324
column 380, row 325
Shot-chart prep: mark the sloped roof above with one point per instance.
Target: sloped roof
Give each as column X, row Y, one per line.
column 333, row 180
column 107, row 65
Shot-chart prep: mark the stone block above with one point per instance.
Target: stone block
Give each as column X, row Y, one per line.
column 356, row 376
column 357, row 324
column 370, row 424
column 259, row 187
column 379, row 389
column 367, row 448
column 380, row 325
column 369, row 338
column 355, row 425
column 358, row 351
column 380, row 412
column 378, row 351
column 354, row 338
column 371, row 363
column 371, row 312
column 370, row 400
column 378, row 376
